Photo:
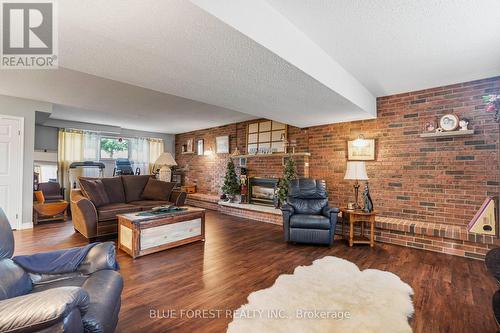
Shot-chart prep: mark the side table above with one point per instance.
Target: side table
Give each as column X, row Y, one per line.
column 358, row 216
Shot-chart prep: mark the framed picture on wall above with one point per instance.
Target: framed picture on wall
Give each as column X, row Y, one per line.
column 200, row 147
column 222, row 144
column 187, row 147
column 361, row 152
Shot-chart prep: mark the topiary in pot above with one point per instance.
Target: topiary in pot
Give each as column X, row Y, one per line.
column 231, row 185
column 289, row 173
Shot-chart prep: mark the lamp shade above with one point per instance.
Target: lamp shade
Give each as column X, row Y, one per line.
column 165, row 159
column 356, row 171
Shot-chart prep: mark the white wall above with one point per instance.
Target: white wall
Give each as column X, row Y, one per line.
column 25, row 108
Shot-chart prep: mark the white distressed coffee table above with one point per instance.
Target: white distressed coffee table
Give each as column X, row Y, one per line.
column 142, row 235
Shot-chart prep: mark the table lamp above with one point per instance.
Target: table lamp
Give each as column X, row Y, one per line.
column 165, row 161
column 356, row 170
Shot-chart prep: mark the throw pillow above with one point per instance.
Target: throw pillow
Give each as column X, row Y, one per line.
column 157, row 190
column 134, row 186
column 95, row 191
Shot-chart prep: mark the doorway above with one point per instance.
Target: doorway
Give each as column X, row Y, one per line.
column 11, row 168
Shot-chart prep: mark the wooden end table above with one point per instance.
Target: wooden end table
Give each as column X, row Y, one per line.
column 358, row 216
column 141, row 235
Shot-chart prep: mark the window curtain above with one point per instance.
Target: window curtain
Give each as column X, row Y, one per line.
column 156, row 148
column 139, row 154
column 91, row 146
column 70, row 149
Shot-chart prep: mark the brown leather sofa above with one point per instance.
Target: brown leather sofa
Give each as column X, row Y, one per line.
column 124, row 194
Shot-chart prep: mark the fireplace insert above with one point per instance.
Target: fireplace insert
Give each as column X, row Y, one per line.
column 261, row 190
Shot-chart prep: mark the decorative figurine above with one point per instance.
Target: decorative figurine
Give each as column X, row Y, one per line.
column 463, row 124
column 368, row 203
column 429, row 127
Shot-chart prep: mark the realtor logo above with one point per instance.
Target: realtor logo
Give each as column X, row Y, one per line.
column 28, row 35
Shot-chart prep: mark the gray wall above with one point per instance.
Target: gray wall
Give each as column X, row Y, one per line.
column 46, row 138
column 26, row 109
column 46, row 135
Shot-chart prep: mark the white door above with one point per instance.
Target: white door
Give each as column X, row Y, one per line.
column 11, row 168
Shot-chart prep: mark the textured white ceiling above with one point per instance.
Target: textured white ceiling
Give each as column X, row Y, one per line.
column 91, row 99
column 171, row 66
column 394, row 46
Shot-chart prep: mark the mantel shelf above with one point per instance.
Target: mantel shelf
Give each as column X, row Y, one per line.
column 187, row 152
column 270, row 155
column 447, row 134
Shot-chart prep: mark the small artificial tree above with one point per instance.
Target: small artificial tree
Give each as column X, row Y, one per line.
column 289, row 173
column 231, row 185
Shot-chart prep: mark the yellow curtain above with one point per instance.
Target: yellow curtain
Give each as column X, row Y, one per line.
column 155, row 150
column 70, row 150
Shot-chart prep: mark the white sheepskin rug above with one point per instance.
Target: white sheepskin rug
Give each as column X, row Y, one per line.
column 331, row 295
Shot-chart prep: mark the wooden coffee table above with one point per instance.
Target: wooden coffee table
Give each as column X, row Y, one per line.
column 142, row 235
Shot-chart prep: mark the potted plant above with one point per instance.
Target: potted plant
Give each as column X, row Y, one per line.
column 231, row 185
column 289, row 173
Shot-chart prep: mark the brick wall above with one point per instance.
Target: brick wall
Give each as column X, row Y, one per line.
column 207, row 172
column 430, row 180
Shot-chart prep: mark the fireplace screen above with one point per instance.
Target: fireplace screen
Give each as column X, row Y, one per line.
column 262, row 190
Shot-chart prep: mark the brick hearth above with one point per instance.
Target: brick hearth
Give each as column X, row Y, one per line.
column 436, row 237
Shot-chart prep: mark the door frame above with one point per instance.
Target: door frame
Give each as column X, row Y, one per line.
column 19, row 221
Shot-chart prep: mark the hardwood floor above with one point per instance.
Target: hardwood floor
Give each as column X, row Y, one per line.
column 239, row 256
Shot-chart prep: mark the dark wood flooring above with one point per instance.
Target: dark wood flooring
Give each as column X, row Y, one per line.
column 239, row 256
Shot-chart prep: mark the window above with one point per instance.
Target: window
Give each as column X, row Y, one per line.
column 113, row 148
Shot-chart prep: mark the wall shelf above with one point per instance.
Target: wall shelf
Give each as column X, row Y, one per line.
column 270, row 155
column 187, row 152
column 447, row 134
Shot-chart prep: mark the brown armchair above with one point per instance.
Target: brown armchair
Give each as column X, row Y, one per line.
column 51, row 191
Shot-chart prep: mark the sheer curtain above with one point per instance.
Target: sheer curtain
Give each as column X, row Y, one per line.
column 156, row 148
column 139, row 154
column 70, row 149
column 91, row 147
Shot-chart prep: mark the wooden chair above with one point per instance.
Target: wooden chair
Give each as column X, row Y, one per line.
column 48, row 211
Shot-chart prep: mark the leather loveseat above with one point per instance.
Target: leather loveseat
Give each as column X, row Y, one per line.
column 306, row 215
column 86, row 300
column 94, row 211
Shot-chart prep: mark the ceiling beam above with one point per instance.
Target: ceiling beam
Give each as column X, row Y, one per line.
column 265, row 25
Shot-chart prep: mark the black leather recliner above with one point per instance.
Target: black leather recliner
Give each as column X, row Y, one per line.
column 306, row 215
column 87, row 300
